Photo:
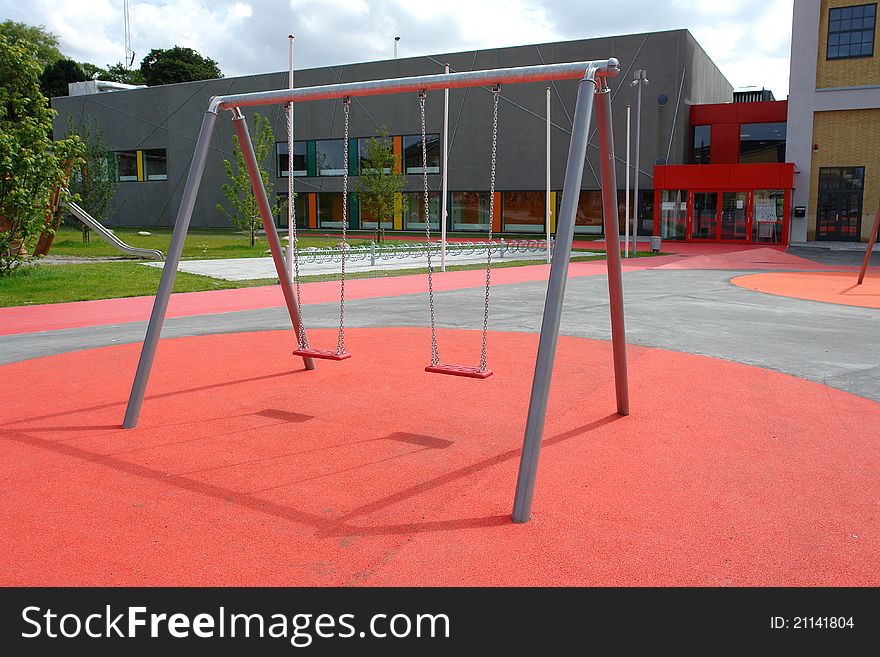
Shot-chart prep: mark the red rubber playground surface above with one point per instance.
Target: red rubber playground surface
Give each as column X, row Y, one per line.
column 247, row 470
column 830, row 287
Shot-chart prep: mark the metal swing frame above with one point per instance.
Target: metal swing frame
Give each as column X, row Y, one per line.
column 592, row 92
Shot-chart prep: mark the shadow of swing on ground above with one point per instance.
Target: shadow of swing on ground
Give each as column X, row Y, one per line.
column 340, row 526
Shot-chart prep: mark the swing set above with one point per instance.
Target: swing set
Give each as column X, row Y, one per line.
column 592, row 92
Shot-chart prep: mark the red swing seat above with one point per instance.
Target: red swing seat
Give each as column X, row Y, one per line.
column 459, row 370
column 324, row 354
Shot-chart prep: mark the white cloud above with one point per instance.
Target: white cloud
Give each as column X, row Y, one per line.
column 749, row 40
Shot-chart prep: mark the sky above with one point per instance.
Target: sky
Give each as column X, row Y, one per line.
column 749, row 40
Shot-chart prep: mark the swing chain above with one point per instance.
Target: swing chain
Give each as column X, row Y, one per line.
column 301, row 339
column 435, row 356
column 496, row 91
column 340, row 338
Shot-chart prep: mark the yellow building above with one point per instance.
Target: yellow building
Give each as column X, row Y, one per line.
column 834, row 119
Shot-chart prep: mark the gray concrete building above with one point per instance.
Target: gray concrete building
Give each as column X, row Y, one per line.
column 152, row 131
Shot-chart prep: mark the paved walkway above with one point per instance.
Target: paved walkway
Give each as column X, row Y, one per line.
column 243, row 269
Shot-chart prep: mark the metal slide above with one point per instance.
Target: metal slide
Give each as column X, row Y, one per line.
column 108, row 235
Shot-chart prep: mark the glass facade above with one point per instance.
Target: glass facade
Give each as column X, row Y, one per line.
column 363, row 146
column 155, row 164
column 329, row 209
column 301, row 207
column 673, row 214
column 851, row 31
column 522, row 212
column 762, row 142
column 414, row 210
column 768, row 207
column 126, row 166
column 470, row 211
column 588, row 220
column 367, row 217
column 329, row 157
column 702, row 142
column 412, row 153
column 300, row 158
column 839, row 203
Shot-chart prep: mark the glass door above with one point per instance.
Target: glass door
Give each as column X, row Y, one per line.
column 839, row 207
column 705, row 218
column 733, row 216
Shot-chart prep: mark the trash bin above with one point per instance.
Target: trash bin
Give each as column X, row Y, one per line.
column 656, row 242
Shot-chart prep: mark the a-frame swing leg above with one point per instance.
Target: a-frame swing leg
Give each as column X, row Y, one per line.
column 587, row 92
column 169, row 271
column 871, row 241
column 253, row 169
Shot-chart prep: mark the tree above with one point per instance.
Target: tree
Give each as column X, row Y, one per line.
column 56, row 77
column 42, row 43
column 380, row 185
column 118, row 73
column 93, row 72
column 94, row 182
column 31, row 164
column 245, row 213
column 177, row 64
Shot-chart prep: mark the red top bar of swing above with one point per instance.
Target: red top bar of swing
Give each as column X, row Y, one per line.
column 516, row 75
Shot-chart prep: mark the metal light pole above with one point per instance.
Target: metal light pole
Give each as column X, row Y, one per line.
column 640, row 78
column 445, row 186
column 626, row 195
column 396, row 39
column 547, row 191
column 291, row 203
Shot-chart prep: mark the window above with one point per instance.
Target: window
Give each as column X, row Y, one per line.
column 470, row 211
column 329, row 157
column 673, row 214
column 523, row 212
column 851, row 31
column 588, row 219
column 135, row 166
column 363, row 145
column 300, row 158
column 155, row 164
column 762, row 142
column 414, row 210
column 412, row 153
column 300, row 206
column 368, row 218
column 767, row 214
column 329, row 209
column 126, row 166
column 646, row 212
column 701, row 146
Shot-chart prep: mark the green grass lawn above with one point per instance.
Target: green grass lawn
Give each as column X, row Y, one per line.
column 200, row 243
column 210, row 243
column 38, row 284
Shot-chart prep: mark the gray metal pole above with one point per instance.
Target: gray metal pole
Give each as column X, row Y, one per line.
column 169, row 271
column 574, row 170
column 608, row 177
column 253, row 169
column 445, row 186
column 636, row 204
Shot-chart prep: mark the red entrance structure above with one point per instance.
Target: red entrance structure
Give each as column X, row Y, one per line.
column 738, row 188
